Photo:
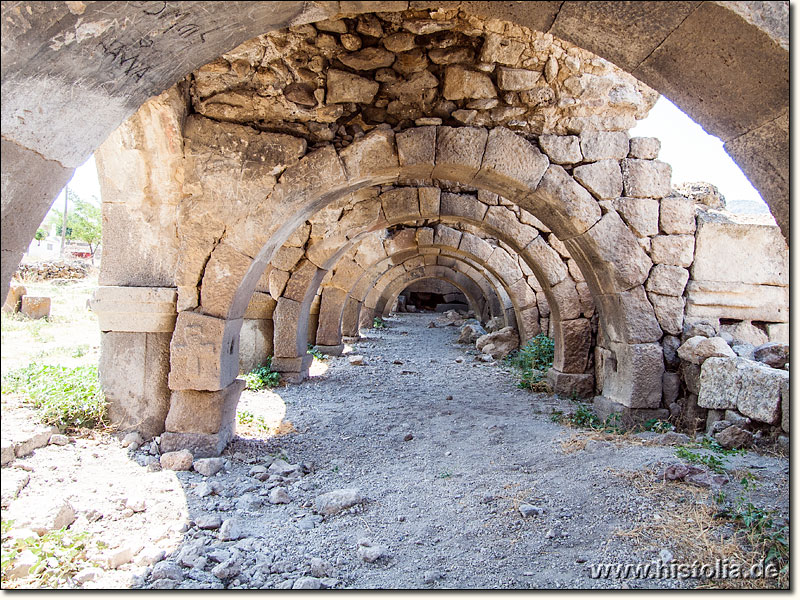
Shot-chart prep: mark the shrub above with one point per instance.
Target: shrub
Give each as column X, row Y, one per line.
column 532, row 361
column 69, row 398
column 262, row 377
column 378, row 323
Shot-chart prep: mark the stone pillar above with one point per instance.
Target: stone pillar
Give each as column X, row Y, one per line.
column 136, row 325
column 255, row 339
column 350, row 317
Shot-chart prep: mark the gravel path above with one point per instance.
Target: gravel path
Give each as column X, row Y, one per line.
column 443, row 449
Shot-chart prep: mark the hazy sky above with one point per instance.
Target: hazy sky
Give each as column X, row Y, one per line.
column 693, row 154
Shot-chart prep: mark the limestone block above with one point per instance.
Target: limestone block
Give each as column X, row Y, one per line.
column 142, row 309
column 277, row 282
column 571, row 209
column 461, row 83
column 541, row 302
column 261, row 306
column 603, row 178
column 287, row 257
column 602, row 145
column 567, row 302
column 221, row 279
column 579, row 384
column 373, row 155
column 616, row 260
column 669, row 311
column 416, row 151
column 500, row 49
column 429, row 201
column 517, row 80
column 728, row 300
column 204, row 352
column 646, row 178
column 14, row 298
column 634, row 378
column 425, row 236
column 752, row 388
column 667, row 280
column 671, row 387
column 299, row 282
column 677, row 215
column 35, row 307
column 193, row 411
column 572, row 346
column 641, row 215
column 561, row 149
column 646, row 148
column 629, row 317
column 288, row 319
column 368, row 59
column 200, row 445
column 606, row 407
column 530, row 322
column 255, row 343
column 333, row 300
column 511, row 165
column 399, row 204
column 698, row 349
column 459, row 151
column 346, row 87
column 677, row 250
column 586, row 299
column 778, row 332
column 133, row 370
column 506, row 268
column 296, row 364
column 725, row 253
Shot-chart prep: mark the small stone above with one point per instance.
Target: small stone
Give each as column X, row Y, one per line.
column 371, row 554
column 208, row 466
column 430, row 577
column 307, row 583
column 227, row 570
column 734, row 437
column 356, row 360
column 59, row 439
column 134, row 437
column 529, row 510
column 666, row 556
column 231, row 529
column 150, row 556
column 408, row 437
column 350, row 42
column 87, row 574
column 337, row 501
column 774, row 354
column 279, row 495
column 551, row 533
column 120, row 556
column 136, row 504
column 180, row 460
column 206, row 488
column 208, row 522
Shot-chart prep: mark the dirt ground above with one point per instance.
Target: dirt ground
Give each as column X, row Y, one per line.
column 445, row 452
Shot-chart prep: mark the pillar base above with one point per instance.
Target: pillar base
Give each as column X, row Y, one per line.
column 201, row 445
column 331, row 350
column 604, row 407
column 292, row 369
column 580, row 384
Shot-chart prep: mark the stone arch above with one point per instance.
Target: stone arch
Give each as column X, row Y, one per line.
column 204, row 346
column 708, row 79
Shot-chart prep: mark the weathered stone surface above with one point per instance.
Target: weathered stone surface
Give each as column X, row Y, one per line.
column 646, row 178
column 734, row 437
column 573, row 343
column 346, row 87
column 670, row 386
column 416, row 151
column 786, row 401
column 368, row 59
column 573, row 208
column 634, row 378
column 35, row 307
column 629, row 317
column 336, row 501
column 579, row 384
column 221, row 279
column 667, row 280
column 677, row 250
column 459, row 152
column 499, row 343
column 603, row 178
column 180, row 460
column 204, row 352
column 562, row 149
column 772, row 354
column 677, row 216
column 510, row 164
column 604, row 145
column 720, row 299
column 208, row 466
column 137, row 309
column 517, row 80
column 14, row 298
column 193, row 411
column 372, row 156
column 500, row 49
column 461, row 83
column 646, row 148
column 641, row 214
column 750, row 387
column 399, row 42
column 669, row 311
column 698, row 349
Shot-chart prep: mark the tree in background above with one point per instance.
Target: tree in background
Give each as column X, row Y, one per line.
column 83, row 221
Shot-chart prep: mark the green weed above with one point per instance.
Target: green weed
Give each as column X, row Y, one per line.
column 247, row 418
column 378, row 323
column 262, row 377
column 709, row 460
column 69, row 398
column 313, row 351
column 532, row 361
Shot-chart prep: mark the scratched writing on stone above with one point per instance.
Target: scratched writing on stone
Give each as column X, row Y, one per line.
column 128, row 55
